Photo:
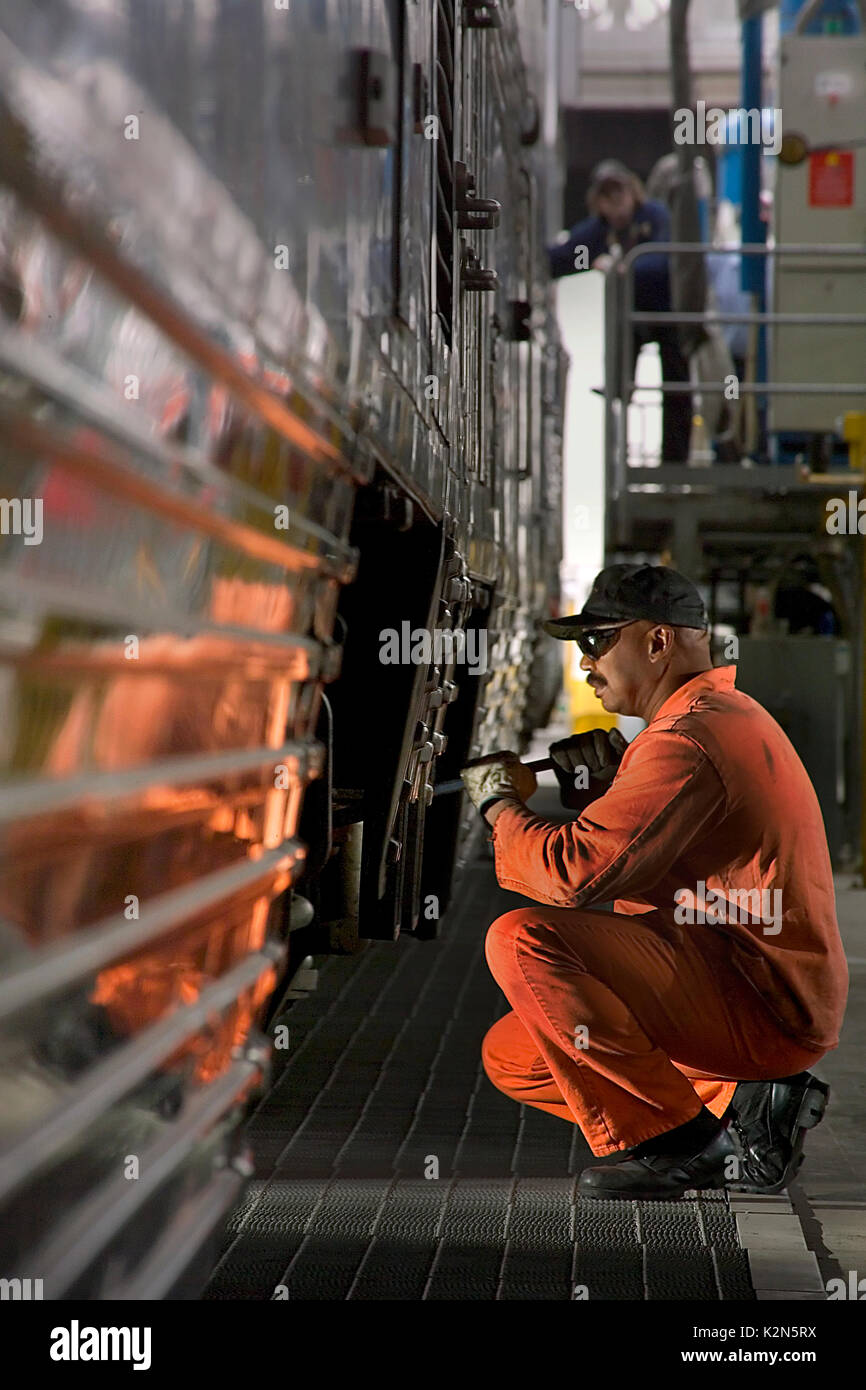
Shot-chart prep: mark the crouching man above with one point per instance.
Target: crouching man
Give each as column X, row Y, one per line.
column 680, row 1040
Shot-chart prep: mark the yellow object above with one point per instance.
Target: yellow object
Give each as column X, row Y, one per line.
column 854, row 434
column 585, row 710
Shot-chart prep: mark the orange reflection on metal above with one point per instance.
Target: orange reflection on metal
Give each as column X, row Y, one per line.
column 142, row 992
column 235, row 601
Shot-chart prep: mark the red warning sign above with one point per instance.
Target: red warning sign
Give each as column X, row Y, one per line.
column 831, row 179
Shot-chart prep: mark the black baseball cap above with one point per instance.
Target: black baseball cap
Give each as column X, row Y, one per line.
column 623, row 593
column 609, row 171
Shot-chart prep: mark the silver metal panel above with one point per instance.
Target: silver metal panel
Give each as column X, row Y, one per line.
column 216, row 321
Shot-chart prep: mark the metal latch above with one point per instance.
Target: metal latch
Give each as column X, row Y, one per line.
column 473, row 275
column 480, row 213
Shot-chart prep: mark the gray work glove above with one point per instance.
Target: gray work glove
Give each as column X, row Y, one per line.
column 599, row 752
column 498, row 777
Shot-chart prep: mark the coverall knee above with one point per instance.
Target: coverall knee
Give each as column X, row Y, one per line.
column 625, row 1025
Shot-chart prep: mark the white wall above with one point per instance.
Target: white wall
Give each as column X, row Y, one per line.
column 580, row 308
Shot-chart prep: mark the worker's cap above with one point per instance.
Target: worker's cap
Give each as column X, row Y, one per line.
column 609, row 171
column 624, row 593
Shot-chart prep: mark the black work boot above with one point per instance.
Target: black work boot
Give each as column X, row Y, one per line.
column 660, row 1175
column 768, row 1121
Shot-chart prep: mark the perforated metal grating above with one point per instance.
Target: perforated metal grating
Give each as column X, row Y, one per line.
column 382, row 1082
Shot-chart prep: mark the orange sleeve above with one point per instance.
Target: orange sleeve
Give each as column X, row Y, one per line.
column 665, row 795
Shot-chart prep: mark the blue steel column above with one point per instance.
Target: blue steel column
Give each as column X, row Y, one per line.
column 753, row 269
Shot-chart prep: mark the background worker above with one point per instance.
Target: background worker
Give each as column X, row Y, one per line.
column 802, row 602
column 630, row 1024
column 623, row 217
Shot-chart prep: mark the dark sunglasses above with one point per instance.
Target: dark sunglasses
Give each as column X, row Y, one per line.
column 598, row 641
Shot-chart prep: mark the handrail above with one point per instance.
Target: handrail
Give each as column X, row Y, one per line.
column 844, row 320
column 748, row 248
column 621, row 317
column 761, row 388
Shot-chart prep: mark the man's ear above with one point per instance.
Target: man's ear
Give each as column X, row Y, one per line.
column 661, row 641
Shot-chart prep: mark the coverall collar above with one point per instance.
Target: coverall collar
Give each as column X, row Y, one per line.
column 717, row 678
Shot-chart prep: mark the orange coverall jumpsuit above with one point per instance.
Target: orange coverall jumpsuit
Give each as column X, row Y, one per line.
column 626, row 1022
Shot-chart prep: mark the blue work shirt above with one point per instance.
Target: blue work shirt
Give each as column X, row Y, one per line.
column 651, row 222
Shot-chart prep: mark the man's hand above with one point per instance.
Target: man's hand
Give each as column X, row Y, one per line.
column 586, row 764
column 604, row 262
column 498, row 777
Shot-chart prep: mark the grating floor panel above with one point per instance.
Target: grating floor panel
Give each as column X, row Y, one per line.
column 388, row 1166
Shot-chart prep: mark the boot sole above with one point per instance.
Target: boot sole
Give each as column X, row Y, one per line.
column 645, row 1195
column 810, row 1113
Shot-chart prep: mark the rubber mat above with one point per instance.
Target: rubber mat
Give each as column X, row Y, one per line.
column 388, row 1167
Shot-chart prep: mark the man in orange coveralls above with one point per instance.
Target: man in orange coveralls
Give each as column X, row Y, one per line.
column 721, row 962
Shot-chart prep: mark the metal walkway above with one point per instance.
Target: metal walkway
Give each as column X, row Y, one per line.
column 388, row 1167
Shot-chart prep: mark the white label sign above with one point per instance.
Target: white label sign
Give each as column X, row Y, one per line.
column 833, row 84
